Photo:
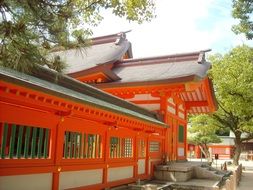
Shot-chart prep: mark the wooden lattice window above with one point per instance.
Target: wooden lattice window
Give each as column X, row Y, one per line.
column 19, row 142
column 141, row 148
column 154, row 146
column 82, row 145
column 121, row 147
column 181, row 133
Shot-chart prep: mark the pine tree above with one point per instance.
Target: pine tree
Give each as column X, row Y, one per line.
column 30, row 28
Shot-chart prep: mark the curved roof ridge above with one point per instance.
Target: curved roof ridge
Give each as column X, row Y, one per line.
column 165, row 56
column 198, row 56
column 117, row 37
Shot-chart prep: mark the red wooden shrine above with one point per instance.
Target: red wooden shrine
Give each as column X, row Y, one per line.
column 60, row 133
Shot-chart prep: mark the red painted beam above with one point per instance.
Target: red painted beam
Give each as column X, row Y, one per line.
column 189, row 104
column 146, row 101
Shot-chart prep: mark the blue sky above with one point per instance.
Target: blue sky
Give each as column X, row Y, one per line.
column 180, row 26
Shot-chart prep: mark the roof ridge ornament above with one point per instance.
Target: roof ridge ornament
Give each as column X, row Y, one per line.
column 202, row 56
column 120, row 37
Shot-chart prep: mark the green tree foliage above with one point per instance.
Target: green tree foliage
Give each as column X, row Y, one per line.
column 29, row 28
column 232, row 75
column 202, row 133
column 242, row 10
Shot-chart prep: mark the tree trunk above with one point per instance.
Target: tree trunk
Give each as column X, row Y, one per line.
column 238, row 150
column 204, row 149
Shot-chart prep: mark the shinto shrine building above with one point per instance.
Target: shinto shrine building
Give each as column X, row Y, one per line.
column 108, row 120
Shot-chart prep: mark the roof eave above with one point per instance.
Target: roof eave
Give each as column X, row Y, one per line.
column 26, row 83
column 178, row 80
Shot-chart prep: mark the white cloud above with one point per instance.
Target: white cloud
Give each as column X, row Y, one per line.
column 176, row 28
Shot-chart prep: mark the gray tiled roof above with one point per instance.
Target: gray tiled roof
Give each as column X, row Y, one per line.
column 161, row 71
column 89, row 57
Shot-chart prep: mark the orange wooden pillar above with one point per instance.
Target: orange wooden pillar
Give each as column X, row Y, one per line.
column 163, row 111
column 185, row 142
column 106, row 147
column 170, row 137
column 174, row 139
column 135, row 156
column 58, row 140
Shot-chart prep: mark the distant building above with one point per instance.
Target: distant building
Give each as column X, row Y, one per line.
column 224, row 149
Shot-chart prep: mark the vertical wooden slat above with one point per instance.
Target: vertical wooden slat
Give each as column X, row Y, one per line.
column 80, row 149
column 40, row 141
column 111, row 147
column 118, row 148
column 46, row 139
column 4, row 140
column 126, row 147
column 66, row 152
column 84, row 146
column 20, row 140
column 132, row 149
column 144, row 148
column 89, row 151
column 27, row 141
column 70, row 146
column 123, row 148
column 115, row 147
column 99, row 146
column 12, row 140
column 95, row 146
column 75, row 144
column 88, row 146
column 34, row 140
column 92, row 146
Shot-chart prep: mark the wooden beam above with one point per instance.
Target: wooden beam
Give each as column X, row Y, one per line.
column 210, row 94
column 191, row 86
column 146, row 101
column 189, row 104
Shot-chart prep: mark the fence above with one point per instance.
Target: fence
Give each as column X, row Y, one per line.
column 234, row 179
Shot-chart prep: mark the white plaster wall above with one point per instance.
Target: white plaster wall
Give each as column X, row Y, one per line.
column 143, row 97
column 152, row 160
column 119, row 173
column 80, row 178
column 180, row 151
column 141, row 166
column 27, row 182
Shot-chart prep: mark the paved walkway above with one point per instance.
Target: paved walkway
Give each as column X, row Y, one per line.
column 246, row 182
